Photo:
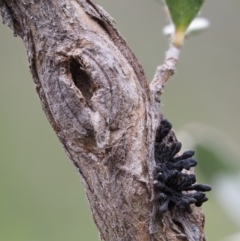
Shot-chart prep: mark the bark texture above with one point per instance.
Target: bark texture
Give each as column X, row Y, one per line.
column 97, row 99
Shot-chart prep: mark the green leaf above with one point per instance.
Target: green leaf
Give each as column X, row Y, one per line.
column 182, row 13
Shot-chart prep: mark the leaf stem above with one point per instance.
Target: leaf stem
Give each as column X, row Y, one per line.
column 178, row 38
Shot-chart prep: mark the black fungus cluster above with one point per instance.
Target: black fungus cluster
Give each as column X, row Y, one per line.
column 173, row 186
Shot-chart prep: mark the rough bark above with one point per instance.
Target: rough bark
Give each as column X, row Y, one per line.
column 97, row 99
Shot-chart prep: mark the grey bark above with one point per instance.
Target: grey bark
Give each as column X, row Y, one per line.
column 97, row 99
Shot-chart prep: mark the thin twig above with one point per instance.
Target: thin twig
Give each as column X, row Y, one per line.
column 164, row 72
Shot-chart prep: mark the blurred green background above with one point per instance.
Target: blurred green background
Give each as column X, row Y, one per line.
column 41, row 196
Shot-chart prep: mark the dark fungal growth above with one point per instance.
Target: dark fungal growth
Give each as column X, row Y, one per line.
column 174, row 187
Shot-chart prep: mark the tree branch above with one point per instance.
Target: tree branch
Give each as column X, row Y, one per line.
column 97, row 99
column 164, row 72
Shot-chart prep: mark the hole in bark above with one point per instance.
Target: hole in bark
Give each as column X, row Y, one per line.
column 82, row 80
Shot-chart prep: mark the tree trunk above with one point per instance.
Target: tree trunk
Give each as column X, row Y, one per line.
column 97, row 99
